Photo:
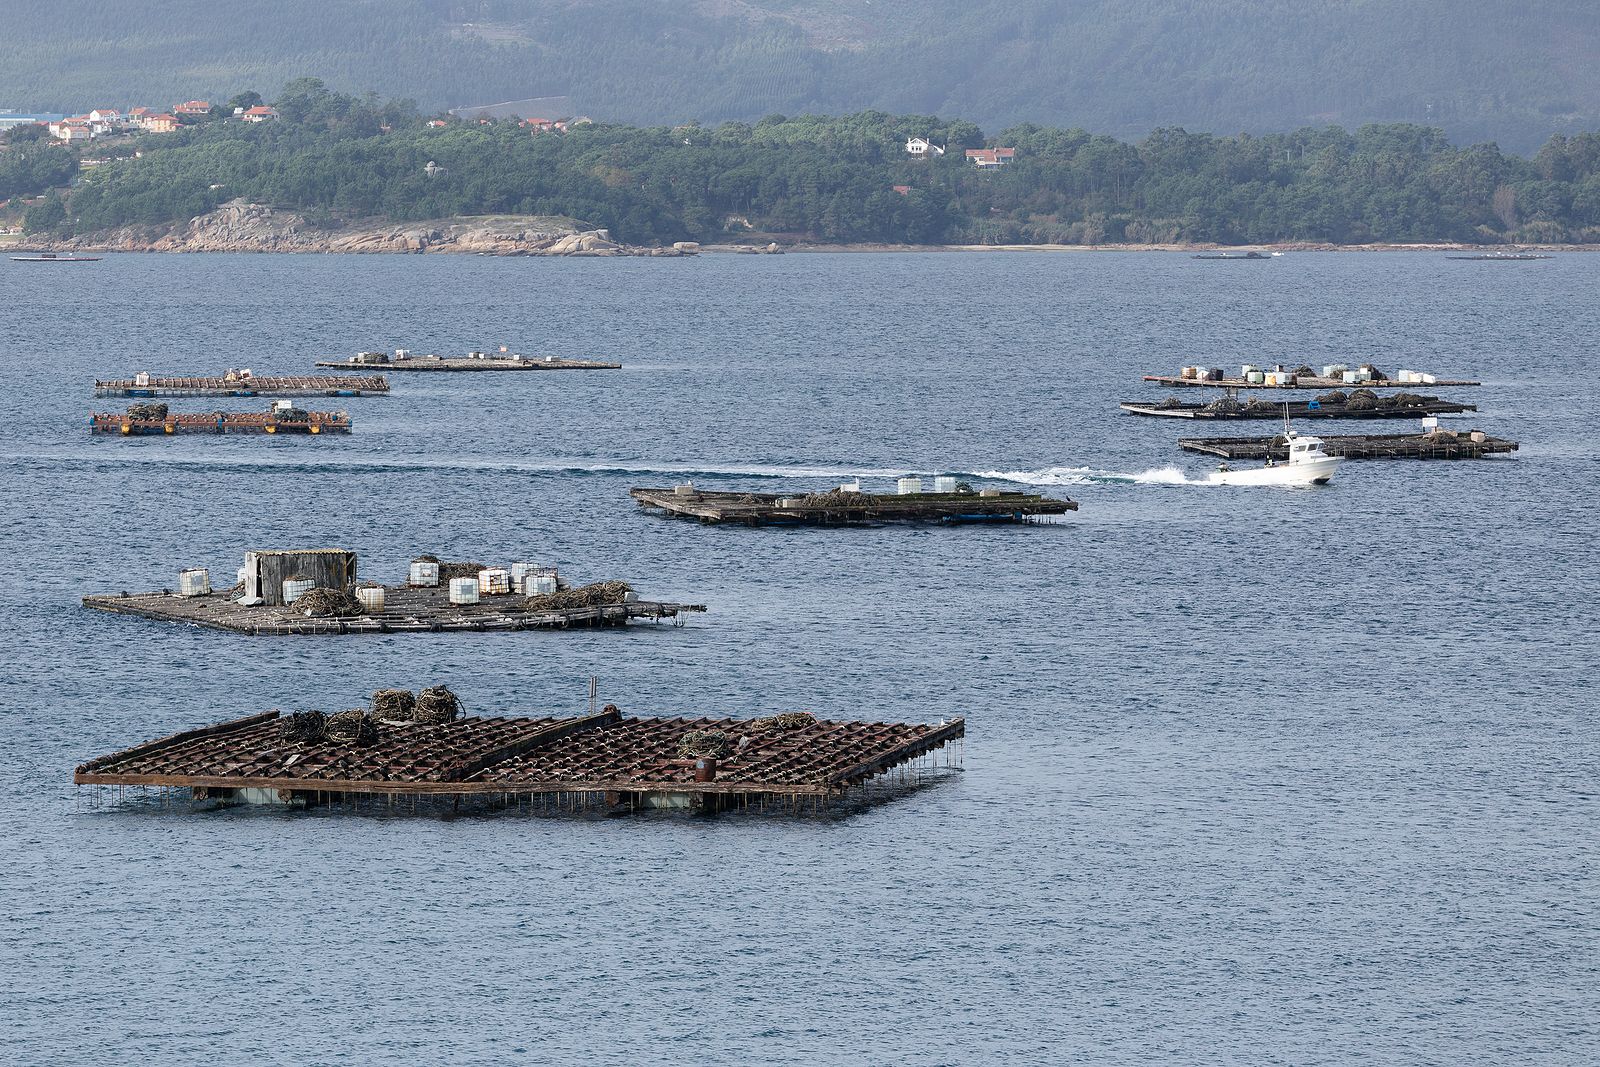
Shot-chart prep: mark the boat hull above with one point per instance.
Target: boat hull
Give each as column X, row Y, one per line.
column 1313, row 472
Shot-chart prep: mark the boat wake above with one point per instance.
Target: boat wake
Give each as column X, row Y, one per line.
column 1092, row 476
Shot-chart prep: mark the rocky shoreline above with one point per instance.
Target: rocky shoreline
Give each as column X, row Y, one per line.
column 244, row 227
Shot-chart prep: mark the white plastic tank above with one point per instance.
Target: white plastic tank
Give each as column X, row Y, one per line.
column 685, row 489
column 424, row 575
column 371, row 598
column 142, row 378
column 295, row 588
column 194, row 582
column 908, row 486
column 538, row 582
column 1255, row 377
column 630, row 597
column 989, row 492
column 494, row 581
column 1244, row 371
column 851, row 487
column 520, row 570
column 463, row 590
column 944, row 484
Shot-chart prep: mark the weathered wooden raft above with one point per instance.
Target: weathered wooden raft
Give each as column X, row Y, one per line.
column 1304, row 381
column 444, row 363
column 262, row 422
column 619, row 760
column 776, row 509
column 278, row 385
column 406, row 610
column 1297, row 409
column 1440, row 445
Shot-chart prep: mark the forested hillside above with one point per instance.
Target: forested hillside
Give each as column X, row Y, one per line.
column 1480, row 69
column 847, row 179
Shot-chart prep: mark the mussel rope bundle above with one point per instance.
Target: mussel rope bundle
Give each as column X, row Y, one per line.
column 323, row 603
column 704, row 744
column 353, row 727
column 436, row 705
column 836, row 498
column 395, row 705
column 303, row 727
column 789, row 720
column 448, row 571
column 426, row 558
column 596, row 594
column 147, row 411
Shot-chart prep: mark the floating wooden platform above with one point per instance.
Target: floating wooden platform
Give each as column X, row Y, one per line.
column 1303, row 382
column 1443, row 445
column 779, row 509
column 604, row 759
column 290, row 385
column 464, row 363
column 406, row 610
column 262, row 422
column 1297, row 409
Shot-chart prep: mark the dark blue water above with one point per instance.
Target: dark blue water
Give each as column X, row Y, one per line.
column 1251, row 776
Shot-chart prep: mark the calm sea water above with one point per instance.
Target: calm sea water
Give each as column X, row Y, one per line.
column 1251, row 776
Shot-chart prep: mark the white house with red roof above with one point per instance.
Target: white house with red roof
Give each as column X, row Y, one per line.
column 158, row 123
column 988, row 158
column 192, row 109
column 73, row 130
column 259, row 113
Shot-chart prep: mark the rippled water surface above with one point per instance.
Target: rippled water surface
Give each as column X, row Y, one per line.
column 1251, row 776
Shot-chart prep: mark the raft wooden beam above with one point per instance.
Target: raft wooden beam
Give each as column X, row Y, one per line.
column 469, row 363
column 1447, row 444
column 780, row 509
column 1297, row 409
column 622, row 760
column 284, row 385
column 1304, row 381
column 253, row 422
column 406, row 610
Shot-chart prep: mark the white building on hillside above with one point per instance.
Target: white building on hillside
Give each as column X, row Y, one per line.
column 921, row 146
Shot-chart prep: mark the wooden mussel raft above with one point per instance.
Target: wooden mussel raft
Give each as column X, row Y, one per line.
column 244, row 383
column 404, row 360
column 1357, row 404
column 603, row 760
column 846, row 506
column 1435, row 444
column 1329, row 376
column 153, row 419
column 314, row 591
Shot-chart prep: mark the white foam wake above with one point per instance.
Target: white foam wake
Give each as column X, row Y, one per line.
column 1091, row 476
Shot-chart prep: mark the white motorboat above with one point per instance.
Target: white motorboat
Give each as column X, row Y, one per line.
column 1308, row 464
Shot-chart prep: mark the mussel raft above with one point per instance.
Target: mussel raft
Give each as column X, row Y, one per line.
column 841, row 508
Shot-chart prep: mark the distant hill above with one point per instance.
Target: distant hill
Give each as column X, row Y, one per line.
column 1481, row 69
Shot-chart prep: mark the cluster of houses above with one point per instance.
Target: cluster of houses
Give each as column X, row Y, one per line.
column 108, row 122
column 982, row 158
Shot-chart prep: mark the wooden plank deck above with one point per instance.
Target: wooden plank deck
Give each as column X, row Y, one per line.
column 1446, row 445
column 259, row 385
column 1297, row 409
column 406, row 610
column 468, row 364
column 780, row 509
column 1302, row 382
column 606, row 753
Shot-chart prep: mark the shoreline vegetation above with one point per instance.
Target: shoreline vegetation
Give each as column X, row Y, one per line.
column 346, row 174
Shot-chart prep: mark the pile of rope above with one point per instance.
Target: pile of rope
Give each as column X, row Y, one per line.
column 291, row 415
column 595, row 594
column 426, row 558
column 448, row 571
column 1225, row 403
column 789, row 720
column 1257, row 404
column 1362, row 400
column 148, row 411
column 1337, row 396
column 303, row 727
column 393, row 705
column 436, row 705
column 353, row 727
column 836, row 498
column 704, row 744
column 1302, row 369
column 1170, row 402
column 323, row 603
